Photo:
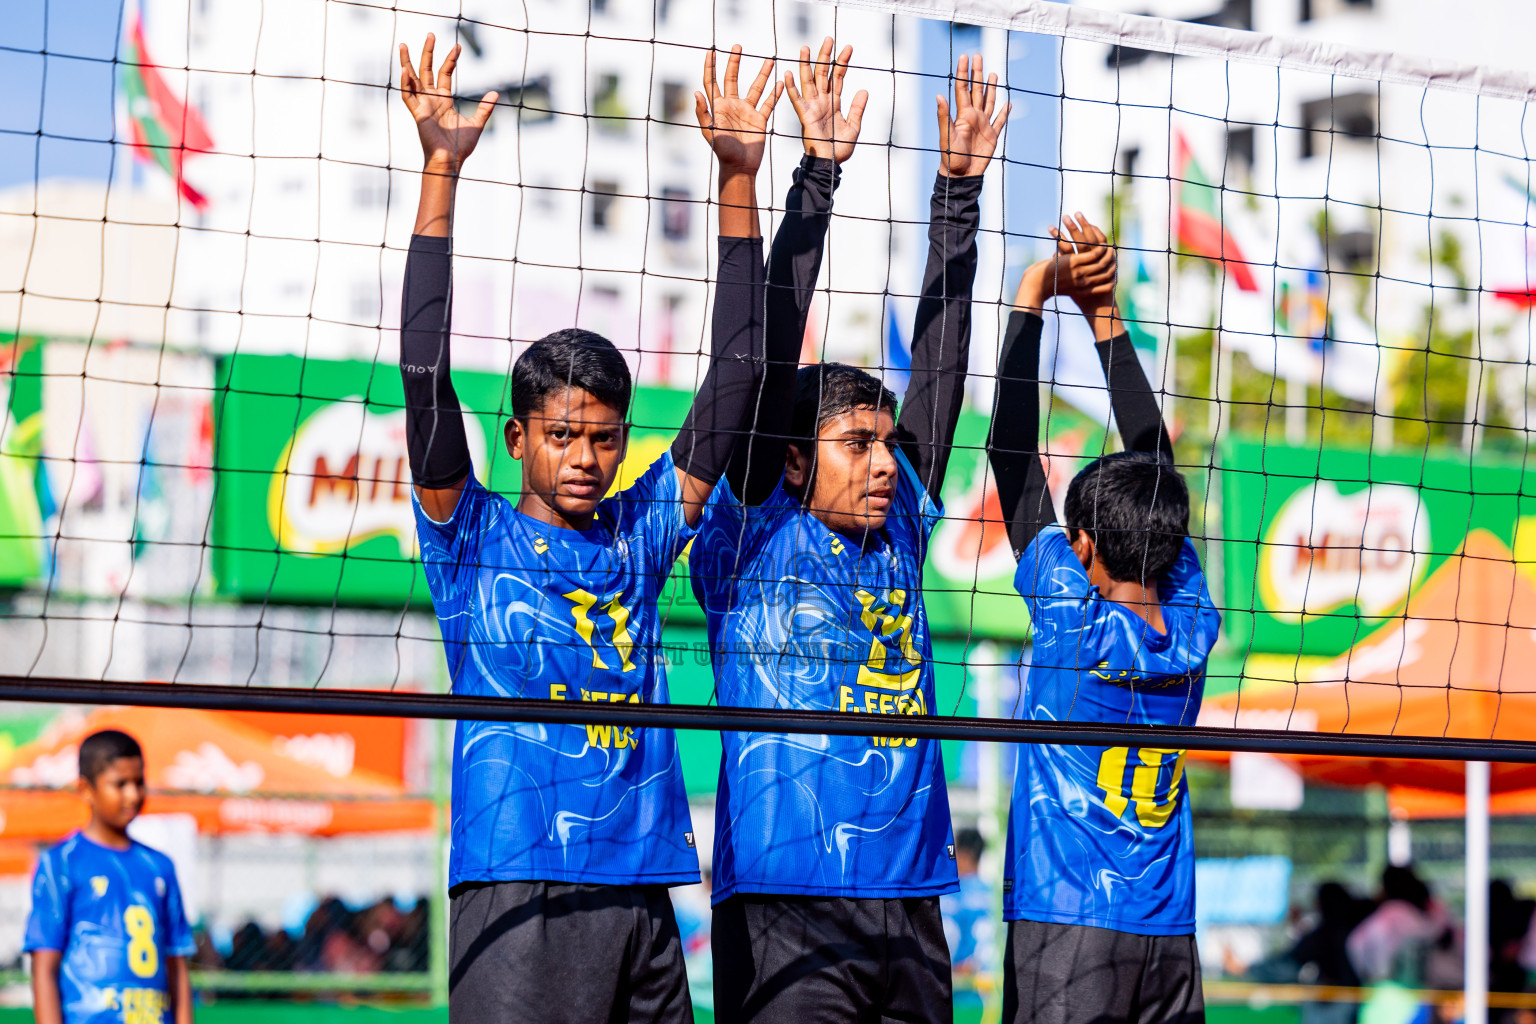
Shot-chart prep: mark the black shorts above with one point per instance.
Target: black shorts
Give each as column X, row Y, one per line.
column 552, row 952
column 1075, row 974
column 830, row 960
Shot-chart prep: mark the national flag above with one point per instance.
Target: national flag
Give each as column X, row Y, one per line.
column 1522, row 296
column 163, row 127
column 1303, row 312
column 1197, row 219
column 1134, row 298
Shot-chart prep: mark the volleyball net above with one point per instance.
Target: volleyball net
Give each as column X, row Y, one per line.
column 1324, row 266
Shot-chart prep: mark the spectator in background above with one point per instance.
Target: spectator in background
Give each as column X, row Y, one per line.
column 1321, row 956
column 1409, row 938
column 969, row 924
column 1509, row 921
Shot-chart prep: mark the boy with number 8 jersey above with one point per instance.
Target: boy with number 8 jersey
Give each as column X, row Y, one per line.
column 1099, row 876
column 107, row 933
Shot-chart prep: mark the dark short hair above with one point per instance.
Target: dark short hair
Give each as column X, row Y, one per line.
column 969, row 840
column 1135, row 506
column 824, row 391
column 570, row 358
column 100, row 749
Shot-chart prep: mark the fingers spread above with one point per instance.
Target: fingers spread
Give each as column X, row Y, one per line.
column 839, row 72
column 483, row 111
column 856, row 110
column 989, row 96
column 794, row 93
column 824, row 64
column 1001, row 118
column 976, row 81
column 701, row 111
column 445, row 73
column 807, row 79
column 773, row 98
column 711, row 85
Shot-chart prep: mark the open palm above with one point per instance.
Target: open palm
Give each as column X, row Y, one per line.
column 818, row 100
column 968, row 140
column 736, row 127
column 447, row 137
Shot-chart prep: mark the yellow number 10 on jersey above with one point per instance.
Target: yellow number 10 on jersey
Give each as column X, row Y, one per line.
column 143, row 954
column 1148, row 770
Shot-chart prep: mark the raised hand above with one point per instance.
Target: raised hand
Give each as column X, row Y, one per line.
column 818, row 101
column 967, row 141
column 1082, row 268
column 447, row 137
column 736, row 127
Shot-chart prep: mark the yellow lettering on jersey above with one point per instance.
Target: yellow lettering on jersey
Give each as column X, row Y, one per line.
column 557, row 691
column 845, row 698
column 144, row 1006
column 599, row 735
column 622, row 641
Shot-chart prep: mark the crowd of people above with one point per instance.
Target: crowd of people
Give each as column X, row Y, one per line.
column 335, row 939
column 1404, row 935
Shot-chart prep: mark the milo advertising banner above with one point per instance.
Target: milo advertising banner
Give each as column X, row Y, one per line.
column 1323, row 547
column 313, row 500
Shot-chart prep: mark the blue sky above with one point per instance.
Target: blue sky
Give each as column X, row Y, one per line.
column 57, row 75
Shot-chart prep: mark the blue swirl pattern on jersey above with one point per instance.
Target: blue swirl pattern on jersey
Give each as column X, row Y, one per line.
column 116, row 916
column 531, row 611
column 1101, row 835
column 799, row 617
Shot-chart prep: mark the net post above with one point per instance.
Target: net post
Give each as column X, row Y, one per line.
column 1476, row 935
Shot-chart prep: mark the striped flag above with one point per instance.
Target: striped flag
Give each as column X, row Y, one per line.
column 164, row 128
column 1197, row 219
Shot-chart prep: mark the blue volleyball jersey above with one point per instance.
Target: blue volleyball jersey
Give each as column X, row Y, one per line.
column 800, row 617
column 1101, row 836
column 531, row 611
column 116, row 916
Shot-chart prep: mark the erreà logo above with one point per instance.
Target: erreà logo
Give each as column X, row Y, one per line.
column 344, row 478
column 1325, row 550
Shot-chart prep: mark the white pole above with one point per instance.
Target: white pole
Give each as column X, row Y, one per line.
column 1476, row 937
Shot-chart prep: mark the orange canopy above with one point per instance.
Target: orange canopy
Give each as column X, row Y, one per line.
column 1461, row 662
column 228, row 771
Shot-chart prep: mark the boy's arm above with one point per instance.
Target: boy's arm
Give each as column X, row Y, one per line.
column 1130, row 393
column 736, row 128
column 1013, row 447
column 941, row 336
column 178, row 980
column 435, row 439
column 794, row 262
column 47, row 1004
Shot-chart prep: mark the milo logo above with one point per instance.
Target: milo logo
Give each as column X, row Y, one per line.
column 344, row 478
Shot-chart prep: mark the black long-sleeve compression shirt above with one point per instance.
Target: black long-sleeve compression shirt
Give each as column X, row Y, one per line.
column 941, row 335
column 434, row 424
column 794, row 263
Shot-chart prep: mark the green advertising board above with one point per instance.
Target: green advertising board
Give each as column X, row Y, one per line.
column 21, row 446
column 312, row 502
column 1320, row 548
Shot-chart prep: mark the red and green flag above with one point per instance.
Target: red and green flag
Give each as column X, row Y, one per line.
column 1197, row 219
column 164, row 128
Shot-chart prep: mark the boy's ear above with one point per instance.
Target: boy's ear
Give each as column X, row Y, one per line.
column 797, row 467
column 515, row 432
column 1083, row 547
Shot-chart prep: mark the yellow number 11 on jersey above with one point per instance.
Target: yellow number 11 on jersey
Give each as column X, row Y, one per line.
column 1151, row 762
column 582, row 603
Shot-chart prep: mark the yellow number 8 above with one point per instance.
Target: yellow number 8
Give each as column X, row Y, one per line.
column 143, row 955
column 1143, row 795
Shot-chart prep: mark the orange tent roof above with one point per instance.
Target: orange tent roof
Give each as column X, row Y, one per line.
column 230, row 774
column 1460, row 662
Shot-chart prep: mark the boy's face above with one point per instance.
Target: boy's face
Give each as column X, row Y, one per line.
column 854, row 482
column 571, row 448
column 116, row 796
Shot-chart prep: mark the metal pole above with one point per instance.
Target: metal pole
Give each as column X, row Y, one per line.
column 1476, row 938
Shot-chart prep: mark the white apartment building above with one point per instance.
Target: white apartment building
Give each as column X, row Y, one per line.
column 584, row 203
column 1398, row 170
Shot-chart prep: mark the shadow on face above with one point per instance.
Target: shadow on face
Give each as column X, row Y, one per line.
column 570, row 447
column 852, row 473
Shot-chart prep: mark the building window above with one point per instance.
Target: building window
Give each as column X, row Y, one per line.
column 676, row 214
column 1351, row 115
column 1240, row 149
column 802, row 21
column 608, row 106
column 675, row 101
column 1312, row 9
column 600, row 204
column 1128, row 158
column 599, row 6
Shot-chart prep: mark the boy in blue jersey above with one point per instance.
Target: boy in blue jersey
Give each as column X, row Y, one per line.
column 1099, row 883
column 564, row 838
column 831, row 852
column 107, row 933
